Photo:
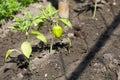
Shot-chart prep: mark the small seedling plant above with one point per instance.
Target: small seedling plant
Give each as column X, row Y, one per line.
column 48, row 17
column 53, row 23
column 23, row 25
column 95, row 8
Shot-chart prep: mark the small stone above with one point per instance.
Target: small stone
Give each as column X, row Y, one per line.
column 104, row 69
column 20, row 76
column 108, row 10
column 108, row 56
column 97, row 34
column 70, row 34
column 96, row 64
column 46, row 75
column 114, row 3
column 96, row 19
column 116, row 61
column 56, row 65
column 65, row 40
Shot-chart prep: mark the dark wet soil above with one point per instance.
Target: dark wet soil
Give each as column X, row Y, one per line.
column 94, row 55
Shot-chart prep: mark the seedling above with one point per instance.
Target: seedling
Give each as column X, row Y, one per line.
column 95, row 8
column 49, row 17
column 24, row 24
column 92, row 5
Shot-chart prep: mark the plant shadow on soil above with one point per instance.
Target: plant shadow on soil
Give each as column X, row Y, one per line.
column 20, row 60
column 41, row 46
column 104, row 37
column 23, row 62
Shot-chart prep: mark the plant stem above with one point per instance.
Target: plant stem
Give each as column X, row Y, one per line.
column 27, row 35
column 95, row 8
column 51, row 45
column 69, row 44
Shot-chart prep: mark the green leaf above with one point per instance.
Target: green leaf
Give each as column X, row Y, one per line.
column 36, row 32
column 43, row 11
column 42, row 38
column 39, row 35
column 66, row 22
column 16, row 19
column 26, row 48
column 49, row 9
column 36, row 21
column 55, row 12
column 42, row 16
column 15, row 28
column 8, row 53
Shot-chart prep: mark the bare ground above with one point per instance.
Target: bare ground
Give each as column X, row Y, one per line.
column 95, row 51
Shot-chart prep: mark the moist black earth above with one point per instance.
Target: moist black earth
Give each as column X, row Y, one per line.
column 94, row 54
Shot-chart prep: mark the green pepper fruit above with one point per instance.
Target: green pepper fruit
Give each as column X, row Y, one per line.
column 57, row 31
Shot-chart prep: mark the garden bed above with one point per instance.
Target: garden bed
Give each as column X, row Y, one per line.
column 94, row 55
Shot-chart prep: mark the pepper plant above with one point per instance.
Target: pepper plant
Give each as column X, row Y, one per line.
column 53, row 23
column 24, row 24
column 48, row 17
